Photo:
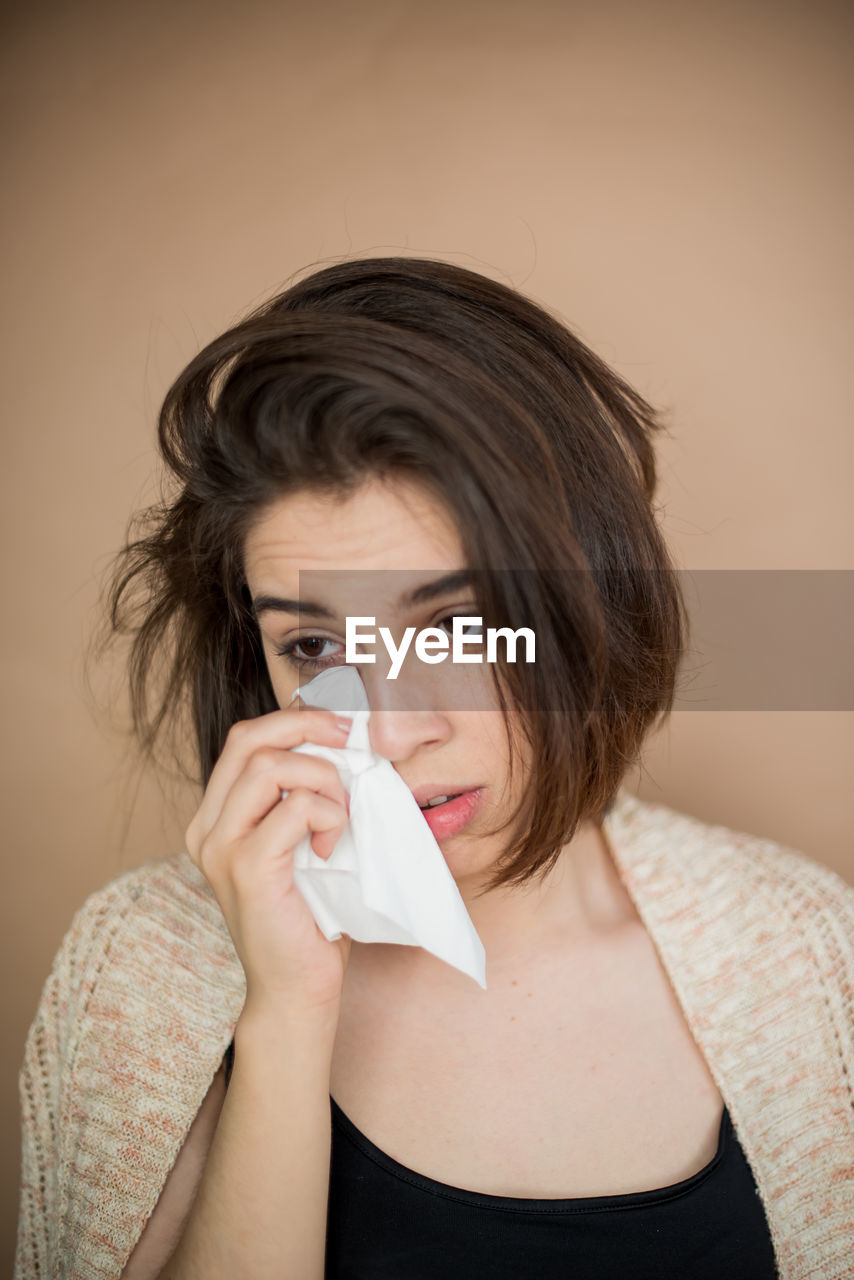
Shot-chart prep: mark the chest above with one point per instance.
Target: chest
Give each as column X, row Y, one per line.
column 574, row 1077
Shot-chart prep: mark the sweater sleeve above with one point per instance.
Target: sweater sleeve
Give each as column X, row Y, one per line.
column 47, row 1068
column 140, row 1003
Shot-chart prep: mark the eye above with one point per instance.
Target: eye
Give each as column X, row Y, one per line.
column 471, row 630
column 308, row 651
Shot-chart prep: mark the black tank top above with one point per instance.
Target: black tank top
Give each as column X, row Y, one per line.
column 387, row 1222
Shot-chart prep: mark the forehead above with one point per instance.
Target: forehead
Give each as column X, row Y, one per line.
column 381, row 525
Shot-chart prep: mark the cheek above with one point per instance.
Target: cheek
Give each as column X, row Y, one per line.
column 465, row 688
column 284, row 681
column 489, row 729
column 497, row 743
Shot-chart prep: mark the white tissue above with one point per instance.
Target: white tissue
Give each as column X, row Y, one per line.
column 386, row 880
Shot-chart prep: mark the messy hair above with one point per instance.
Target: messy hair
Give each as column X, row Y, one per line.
column 543, row 456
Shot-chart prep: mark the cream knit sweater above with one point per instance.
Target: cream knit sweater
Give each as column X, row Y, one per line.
column 145, row 991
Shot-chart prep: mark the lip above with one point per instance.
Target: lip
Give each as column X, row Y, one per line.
column 449, row 819
column 429, row 790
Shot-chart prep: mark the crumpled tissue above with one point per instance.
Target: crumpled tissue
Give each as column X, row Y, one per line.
column 386, row 880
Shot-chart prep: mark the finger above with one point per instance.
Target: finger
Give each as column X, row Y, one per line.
column 302, row 813
column 282, row 729
column 259, row 788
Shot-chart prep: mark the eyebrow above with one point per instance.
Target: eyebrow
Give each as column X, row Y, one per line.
column 421, row 595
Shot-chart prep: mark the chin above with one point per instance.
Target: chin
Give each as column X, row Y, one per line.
column 465, row 863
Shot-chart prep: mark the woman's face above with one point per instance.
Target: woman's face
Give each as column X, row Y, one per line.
column 438, row 724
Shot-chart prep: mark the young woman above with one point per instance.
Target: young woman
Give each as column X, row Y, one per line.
column 657, row 1080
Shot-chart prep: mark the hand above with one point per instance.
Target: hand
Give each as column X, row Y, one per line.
column 242, row 839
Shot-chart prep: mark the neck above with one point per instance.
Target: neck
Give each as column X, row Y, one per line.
column 582, row 899
column 580, row 896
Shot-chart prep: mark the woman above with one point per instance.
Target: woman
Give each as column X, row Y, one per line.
column 211, row 1087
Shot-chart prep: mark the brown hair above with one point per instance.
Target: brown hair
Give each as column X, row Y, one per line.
column 542, row 454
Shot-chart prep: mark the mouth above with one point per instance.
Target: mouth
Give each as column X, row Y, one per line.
column 447, row 814
column 437, row 800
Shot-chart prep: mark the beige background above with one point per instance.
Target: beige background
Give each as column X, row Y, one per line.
column 673, row 178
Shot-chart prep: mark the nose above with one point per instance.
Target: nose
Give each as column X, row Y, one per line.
column 398, row 734
column 402, row 721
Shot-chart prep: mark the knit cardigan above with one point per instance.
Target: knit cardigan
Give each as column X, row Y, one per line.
column 142, row 1000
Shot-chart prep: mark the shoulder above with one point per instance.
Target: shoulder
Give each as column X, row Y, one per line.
column 745, row 925
column 158, row 913
column 758, row 942
column 673, row 855
column 167, row 886
column 150, row 942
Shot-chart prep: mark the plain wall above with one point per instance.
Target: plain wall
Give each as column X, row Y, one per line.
column 673, row 179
